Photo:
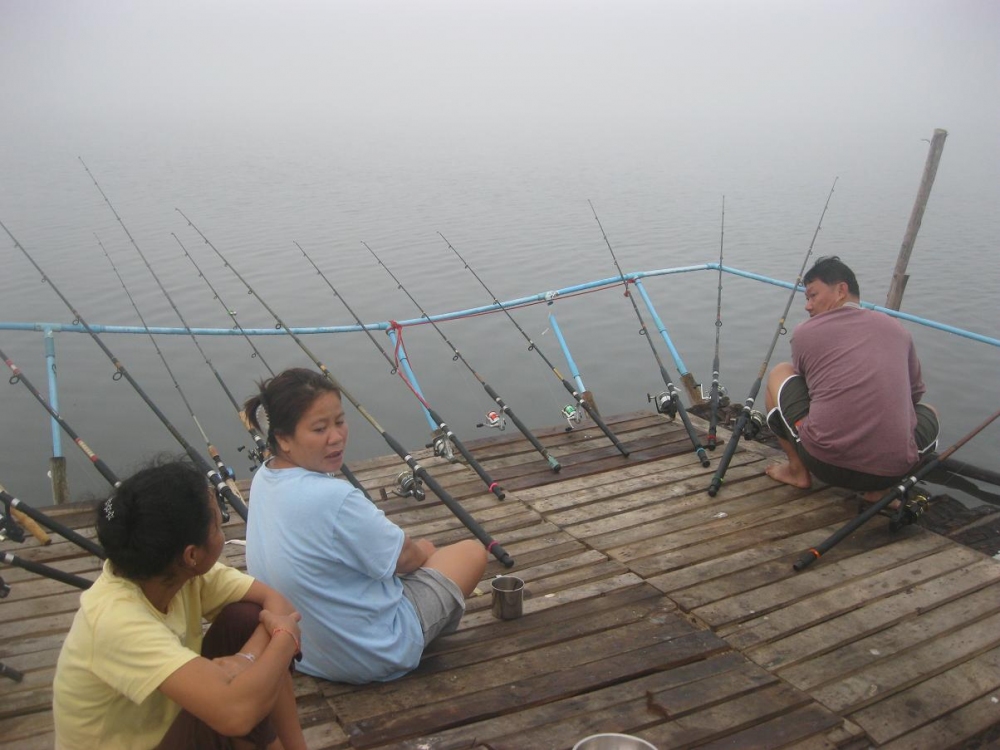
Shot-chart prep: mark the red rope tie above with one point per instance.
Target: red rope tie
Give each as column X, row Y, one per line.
column 491, row 545
column 492, row 486
column 815, row 553
column 627, row 282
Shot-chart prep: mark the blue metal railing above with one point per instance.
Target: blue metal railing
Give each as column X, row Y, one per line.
column 49, row 329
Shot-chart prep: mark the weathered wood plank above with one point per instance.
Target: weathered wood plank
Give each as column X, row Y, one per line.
column 921, row 599
column 910, row 709
column 919, row 626
column 756, row 594
column 545, row 686
column 824, row 604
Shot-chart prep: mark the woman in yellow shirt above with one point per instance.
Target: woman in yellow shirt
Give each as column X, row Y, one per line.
column 136, row 671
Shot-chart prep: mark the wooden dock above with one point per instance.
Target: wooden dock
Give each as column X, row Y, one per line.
column 651, row 609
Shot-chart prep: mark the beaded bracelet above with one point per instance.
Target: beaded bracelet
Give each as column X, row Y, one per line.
column 298, row 646
column 249, row 657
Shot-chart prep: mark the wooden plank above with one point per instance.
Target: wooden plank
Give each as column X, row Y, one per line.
column 756, row 594
column 825, row 604
column 633, row 706
column 791, row 727
column 916, row 665
column 738, row 540
column 922, row 625
column 720, row 721
column 852, row 626
column 675, row 533
column 959, row 729
column 545, row 686
column 912, row 708
column 390, row 698
column 573, row 716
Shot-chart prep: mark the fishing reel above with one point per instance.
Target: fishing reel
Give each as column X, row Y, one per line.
column 408, row 485
column 442, row 447
column 494, row 419
column 10, row 529
column 910, row 509
column 572, row 416
column 254, row 454
column 664, row 404
column 707, row 395
column 754, row 424
column 223, row 506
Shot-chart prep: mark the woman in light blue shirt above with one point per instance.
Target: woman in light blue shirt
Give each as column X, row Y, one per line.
column 370, row 596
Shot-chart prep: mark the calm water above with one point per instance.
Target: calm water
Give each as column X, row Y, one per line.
column 515, row 205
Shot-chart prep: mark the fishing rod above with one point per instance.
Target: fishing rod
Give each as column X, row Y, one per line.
column 222, row 490
column 224, row 470
column 741, row 423
column 446, row 434
column 492, row 418
column 231, row 312
column 532, row 346
column 16, row 506
column 906, row 512
column 258, row 440
column 12, row 503
column 419, row 472
column 715, row 395
column 19, row 377
column 262, row 449
column 675, row 406
column 45, row 570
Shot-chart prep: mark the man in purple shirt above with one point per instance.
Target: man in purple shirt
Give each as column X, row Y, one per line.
column 847, row 408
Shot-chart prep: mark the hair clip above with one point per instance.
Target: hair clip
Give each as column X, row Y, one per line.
column 109, row 511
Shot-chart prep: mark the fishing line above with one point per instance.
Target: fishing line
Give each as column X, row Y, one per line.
column 445, row 432
column 419, row 471
column 676, row 406
column 493, row 419
column 716, row 389
column 532, row 346
column 741, row 423
column 224, row 470
column 231, row 312
column 223, row 492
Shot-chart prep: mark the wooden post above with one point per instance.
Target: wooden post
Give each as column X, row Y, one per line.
column 60, row 487
column 899, row 276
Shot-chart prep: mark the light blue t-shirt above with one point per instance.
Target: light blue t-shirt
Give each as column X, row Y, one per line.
column 325, row 546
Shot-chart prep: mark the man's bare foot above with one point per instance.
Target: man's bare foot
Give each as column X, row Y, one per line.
column 874, row 496
column 785, row 474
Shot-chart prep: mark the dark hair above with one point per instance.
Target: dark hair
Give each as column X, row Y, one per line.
column 152, row 516
column 832, row 270
column 285, row 398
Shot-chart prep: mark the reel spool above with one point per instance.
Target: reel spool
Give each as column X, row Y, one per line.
column 494, row 419
column 407, row 485
column 753, row 425
column 664, row 404
column 572, row 416
column 442, row 448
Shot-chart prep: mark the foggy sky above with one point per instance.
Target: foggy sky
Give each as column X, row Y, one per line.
column 69, row 65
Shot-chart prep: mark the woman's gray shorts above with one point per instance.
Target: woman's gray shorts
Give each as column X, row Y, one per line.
column 438, row 601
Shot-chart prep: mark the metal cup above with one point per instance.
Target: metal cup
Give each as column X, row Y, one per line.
column 508, row 595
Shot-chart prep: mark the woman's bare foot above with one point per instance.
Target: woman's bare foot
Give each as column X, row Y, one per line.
column 786, row 474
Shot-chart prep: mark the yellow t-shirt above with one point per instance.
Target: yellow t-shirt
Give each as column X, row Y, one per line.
column 120, row 649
